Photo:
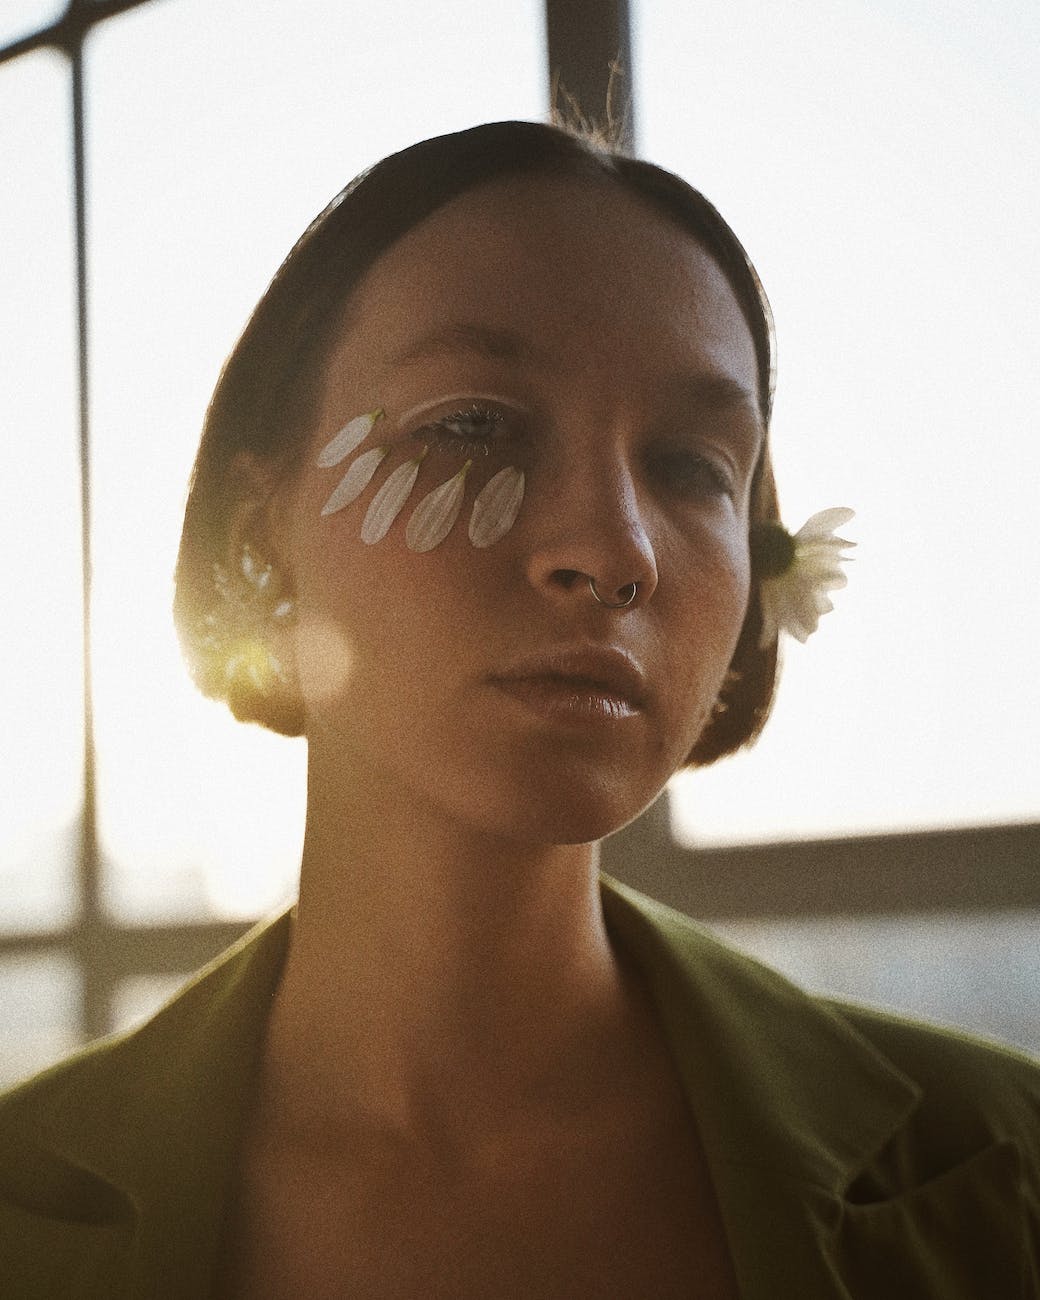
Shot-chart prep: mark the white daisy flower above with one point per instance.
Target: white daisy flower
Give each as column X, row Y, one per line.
column 796, row 572
column 355, row 480
column 435, row 515
column 496, row 507
column 389, row 500
column 352, row 435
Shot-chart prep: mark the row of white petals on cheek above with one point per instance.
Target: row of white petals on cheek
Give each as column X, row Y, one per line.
column 494, row 510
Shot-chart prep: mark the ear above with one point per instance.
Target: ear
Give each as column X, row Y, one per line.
column 254, row 516
column 256, row 527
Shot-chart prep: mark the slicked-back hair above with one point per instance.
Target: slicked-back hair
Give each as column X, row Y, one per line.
column 267, row 397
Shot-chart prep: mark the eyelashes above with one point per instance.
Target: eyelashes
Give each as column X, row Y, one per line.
column 471, row 430
column 690, row 474
column 680, row 469
column 494, row 510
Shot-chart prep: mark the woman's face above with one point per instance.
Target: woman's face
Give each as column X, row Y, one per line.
column 563, row 329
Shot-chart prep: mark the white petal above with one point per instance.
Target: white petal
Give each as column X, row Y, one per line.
column 496, row 507
column 352, row 435
column 389, row 500
column 355, row 480
column 816, row 568
column 801, row 624
column 770, row 619
column 823, row 522
column 435, row 515
column 820, row 556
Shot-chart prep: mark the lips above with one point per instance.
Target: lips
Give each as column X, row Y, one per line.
column 589, row 674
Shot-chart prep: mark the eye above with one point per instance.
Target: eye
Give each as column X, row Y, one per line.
column 690, row 474
column 470, row 430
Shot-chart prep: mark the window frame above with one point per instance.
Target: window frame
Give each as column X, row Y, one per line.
column 963, row 871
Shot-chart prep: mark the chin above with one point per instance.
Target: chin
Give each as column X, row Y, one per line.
column 571, row 811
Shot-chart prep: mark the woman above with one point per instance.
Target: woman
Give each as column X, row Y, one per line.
column 484, row 508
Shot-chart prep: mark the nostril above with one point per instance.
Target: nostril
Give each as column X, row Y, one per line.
column 567, row 578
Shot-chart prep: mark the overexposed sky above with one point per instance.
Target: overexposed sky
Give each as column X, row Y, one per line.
column 879, row 162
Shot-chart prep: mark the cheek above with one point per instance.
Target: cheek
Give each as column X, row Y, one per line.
column 733, row 591
column 714, row 560
column 328, row 649
column 710, row 606
column 736, row 584
column 377, row 623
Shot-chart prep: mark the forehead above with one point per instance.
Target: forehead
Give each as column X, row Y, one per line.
column 581, row 271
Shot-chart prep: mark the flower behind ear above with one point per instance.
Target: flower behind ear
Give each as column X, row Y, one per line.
column 795, row 572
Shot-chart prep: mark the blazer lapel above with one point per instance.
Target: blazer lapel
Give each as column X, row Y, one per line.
column 792, row 1104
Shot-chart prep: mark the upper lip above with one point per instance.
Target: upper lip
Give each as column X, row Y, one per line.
column 606, row 668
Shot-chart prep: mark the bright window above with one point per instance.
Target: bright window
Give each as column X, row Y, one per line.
column 217, row 131
column 879, row 160
column 41, row 635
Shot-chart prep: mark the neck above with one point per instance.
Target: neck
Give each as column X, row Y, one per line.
column 437, row 971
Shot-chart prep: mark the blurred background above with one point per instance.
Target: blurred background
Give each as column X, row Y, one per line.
column 878, row 159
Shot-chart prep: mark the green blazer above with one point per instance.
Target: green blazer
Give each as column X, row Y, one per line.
column 853, row 1154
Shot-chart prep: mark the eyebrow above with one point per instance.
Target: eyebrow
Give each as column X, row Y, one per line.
column 497, row 343
column 719, row 393
column 490, row 342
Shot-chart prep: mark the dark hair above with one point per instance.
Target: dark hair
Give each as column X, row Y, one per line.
column 266, row 398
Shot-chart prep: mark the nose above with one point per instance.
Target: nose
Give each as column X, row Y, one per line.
column 589, row 540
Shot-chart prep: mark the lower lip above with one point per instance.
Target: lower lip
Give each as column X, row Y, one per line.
column 567, row 701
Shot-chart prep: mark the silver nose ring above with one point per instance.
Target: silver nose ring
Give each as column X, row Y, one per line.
column 627, row 594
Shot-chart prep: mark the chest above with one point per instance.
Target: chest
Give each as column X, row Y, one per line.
column 543, row 1223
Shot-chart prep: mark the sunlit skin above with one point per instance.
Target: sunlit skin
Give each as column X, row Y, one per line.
column 452, row 1001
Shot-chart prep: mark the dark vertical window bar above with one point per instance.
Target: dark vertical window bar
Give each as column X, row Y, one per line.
column 95, row 998
column 89, row 936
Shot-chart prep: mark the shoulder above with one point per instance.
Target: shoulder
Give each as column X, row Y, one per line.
column 973, row 1089
column 968, row 1085
column 927, row 1049
column 114, row 1164
column 222, row 1005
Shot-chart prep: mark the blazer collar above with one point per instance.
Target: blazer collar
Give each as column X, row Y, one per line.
column 777, row 1079
column 791, row 1103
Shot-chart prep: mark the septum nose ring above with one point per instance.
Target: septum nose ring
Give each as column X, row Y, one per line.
column 627, row 594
